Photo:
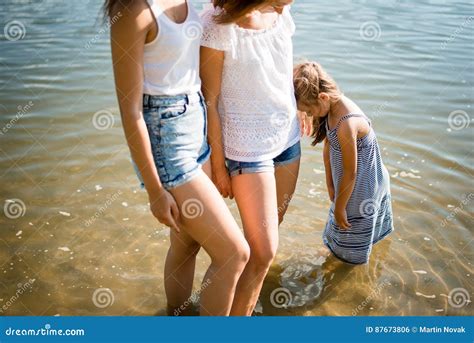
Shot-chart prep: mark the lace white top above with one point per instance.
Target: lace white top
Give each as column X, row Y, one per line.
column 257, row 104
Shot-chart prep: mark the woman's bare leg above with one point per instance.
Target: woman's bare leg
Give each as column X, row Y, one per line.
column 179, row 268
column 179, row 272
column 204, row 216
column 256, row 198
column 286, row 177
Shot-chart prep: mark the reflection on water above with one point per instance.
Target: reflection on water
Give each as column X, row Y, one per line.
column 77, row 237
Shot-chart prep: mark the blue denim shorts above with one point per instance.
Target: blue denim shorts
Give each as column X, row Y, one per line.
column 288, row 156
column 177, row 127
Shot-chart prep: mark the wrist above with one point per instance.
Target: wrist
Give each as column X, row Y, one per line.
column 338, row 206
column 155, row 192
column 218, row 166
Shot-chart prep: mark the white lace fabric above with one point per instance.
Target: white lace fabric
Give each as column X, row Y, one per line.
column 257, row 105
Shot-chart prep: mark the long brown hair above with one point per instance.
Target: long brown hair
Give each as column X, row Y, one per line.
column 111, row 7
column 235, row 9
column 310, row 80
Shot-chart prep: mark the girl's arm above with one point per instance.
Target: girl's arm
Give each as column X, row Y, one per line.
column 347, row 136
column 212, row 62
column 128, row 36
column 327, row 168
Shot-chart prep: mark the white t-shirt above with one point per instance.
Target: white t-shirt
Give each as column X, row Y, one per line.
column 257, row 104
column 171, row 61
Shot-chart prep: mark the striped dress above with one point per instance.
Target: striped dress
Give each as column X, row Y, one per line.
column 369, row 209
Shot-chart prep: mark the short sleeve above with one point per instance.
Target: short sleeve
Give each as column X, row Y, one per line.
column 215, row 36
column 288, row 19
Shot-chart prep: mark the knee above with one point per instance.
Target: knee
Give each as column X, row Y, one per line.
column 183, row 252
column 236, row 257
column 242, row 254
column 261, row 259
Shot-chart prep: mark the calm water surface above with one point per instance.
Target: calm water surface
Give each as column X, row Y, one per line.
column 85, row 224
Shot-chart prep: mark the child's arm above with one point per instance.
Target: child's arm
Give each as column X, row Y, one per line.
column 327, row 168
column 347, row 136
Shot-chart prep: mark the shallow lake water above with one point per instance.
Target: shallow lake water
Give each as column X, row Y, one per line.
column 76, row 234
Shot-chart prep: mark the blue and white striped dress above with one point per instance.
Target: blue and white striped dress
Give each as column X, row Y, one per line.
column 369, row 208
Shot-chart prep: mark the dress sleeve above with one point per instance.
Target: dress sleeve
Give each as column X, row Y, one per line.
column 288, row 19
column 214, row 36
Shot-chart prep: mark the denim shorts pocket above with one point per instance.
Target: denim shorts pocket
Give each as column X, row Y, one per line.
column 172, row 111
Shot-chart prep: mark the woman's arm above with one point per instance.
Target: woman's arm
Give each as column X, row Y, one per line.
column 212, row 62
column 128, row 36
column 328, row 171
column 347, row 136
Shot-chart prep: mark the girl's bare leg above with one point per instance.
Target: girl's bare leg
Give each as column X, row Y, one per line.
column 256, row 198
column 257, row 195
column 179, row 272
column 179, row 268
column 204, row 216
column 286, row 177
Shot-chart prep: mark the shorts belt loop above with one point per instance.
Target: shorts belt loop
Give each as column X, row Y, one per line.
column 146, row 100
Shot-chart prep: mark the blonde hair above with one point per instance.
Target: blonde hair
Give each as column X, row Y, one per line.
column 310, row 80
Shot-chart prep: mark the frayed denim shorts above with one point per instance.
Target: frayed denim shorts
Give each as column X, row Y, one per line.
column 177, row 127
column 288, row 156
